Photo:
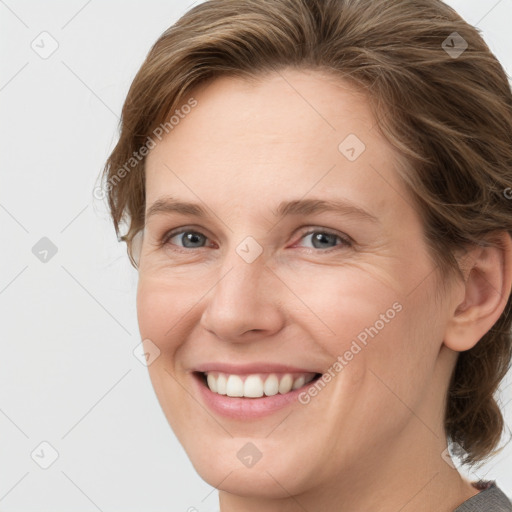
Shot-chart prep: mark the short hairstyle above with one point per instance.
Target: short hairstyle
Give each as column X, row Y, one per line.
column 446, row 109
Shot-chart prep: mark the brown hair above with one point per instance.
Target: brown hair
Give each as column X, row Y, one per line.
column 449, row 117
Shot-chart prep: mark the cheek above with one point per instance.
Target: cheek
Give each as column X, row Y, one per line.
column 162, row 316
column 338, row 305
column 162, row 308
column 401, row 361
column 372, row 324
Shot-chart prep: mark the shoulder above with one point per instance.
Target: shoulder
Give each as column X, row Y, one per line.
column 490, row 499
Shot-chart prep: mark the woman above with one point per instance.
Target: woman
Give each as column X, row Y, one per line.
column 300, row 375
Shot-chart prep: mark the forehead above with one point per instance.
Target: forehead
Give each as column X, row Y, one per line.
column 287, row 132
column 286, row 106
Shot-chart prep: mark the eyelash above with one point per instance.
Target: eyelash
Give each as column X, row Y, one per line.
column 347, row 241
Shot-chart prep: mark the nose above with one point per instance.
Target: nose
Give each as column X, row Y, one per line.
column 245, row 303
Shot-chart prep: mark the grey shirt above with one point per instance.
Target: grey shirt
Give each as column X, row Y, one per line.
column 490, row 499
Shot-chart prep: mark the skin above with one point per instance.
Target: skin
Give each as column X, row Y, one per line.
column 373, row 438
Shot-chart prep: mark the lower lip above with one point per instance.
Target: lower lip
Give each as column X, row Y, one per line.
column 246, row 408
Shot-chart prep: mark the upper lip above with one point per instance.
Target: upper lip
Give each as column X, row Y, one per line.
column 249, row 368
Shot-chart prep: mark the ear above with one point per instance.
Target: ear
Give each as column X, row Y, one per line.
column 488, row 280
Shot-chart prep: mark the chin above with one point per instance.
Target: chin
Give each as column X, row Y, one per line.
column 223, row 467
column 251, row 482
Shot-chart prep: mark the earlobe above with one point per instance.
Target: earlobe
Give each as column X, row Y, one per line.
column 488, row 282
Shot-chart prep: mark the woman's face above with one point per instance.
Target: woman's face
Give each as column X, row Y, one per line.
column 309, row 259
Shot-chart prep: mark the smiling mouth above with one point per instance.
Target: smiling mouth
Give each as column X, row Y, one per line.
column 255, row 385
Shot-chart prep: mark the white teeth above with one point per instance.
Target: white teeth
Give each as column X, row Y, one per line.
column 212, row 382
column 299, row 382
column 286, row 384
column 271, row 386
column 235, row 386
column 253, row 387
column 221, row 384
column 256, row 385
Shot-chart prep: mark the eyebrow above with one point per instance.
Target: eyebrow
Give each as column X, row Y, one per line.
column 285, row 208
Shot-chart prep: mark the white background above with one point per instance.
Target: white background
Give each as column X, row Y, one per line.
column 68, row 375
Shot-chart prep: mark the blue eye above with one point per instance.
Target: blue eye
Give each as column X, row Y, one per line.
column 187, row 237
column 320, row 238
column 195, row 240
